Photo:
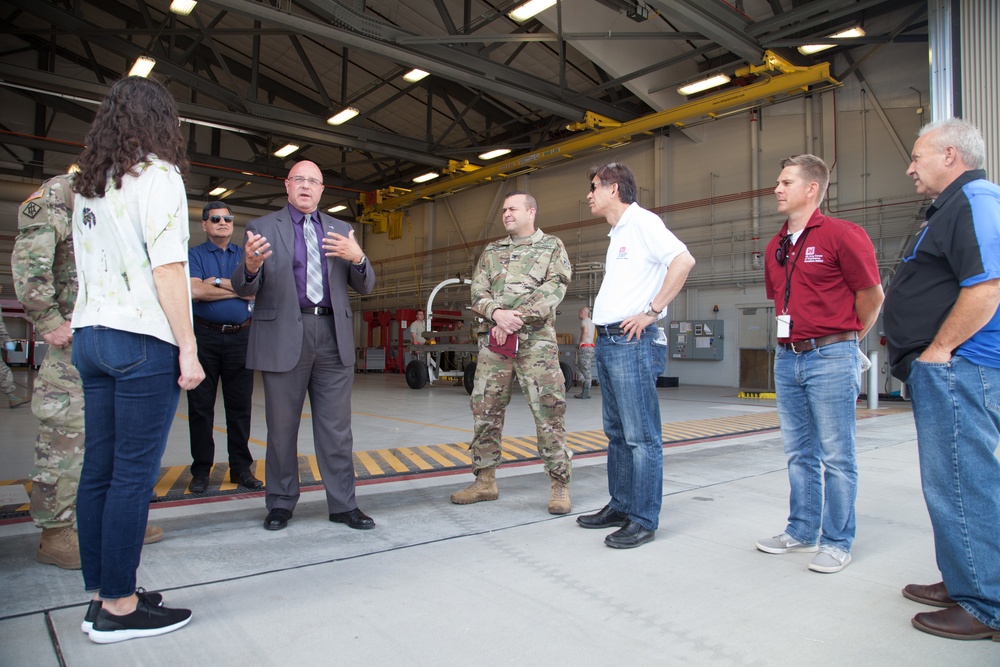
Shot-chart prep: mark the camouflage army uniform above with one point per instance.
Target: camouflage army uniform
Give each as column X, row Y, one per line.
column 45, row 282
column 529, row 275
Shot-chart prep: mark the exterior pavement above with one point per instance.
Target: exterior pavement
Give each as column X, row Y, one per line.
column 505, row 583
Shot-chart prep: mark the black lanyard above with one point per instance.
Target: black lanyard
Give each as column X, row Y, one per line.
column 790, row 267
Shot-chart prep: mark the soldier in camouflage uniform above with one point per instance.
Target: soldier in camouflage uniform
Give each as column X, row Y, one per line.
column 15, row 395
column 517, row 285
column 45, row 282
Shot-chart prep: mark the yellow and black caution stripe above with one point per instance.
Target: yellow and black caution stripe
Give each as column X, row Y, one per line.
column 372, row 466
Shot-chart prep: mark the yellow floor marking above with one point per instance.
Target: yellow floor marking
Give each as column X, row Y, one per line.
column 395, row 463
column 429, row 451
column 413, row 456
column 461, row 453
column 226, row 485
column 516, row 446
column 167, row 481
column 314, row 467
column 369, row 463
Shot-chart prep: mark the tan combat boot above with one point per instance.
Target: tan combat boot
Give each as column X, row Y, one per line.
column 484, row 488
column 153, row 535
column 559, row 497
column 59, row 547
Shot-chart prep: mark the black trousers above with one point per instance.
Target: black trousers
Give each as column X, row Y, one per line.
column 223, row 357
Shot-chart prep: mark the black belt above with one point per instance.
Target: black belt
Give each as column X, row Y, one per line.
column 223, row 328
column 317, row 310
column 811, row 344
column 611, row 330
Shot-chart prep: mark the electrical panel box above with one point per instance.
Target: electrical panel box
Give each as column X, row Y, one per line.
column 697, row 340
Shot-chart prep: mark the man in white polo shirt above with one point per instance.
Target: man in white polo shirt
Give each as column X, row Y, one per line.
column 646, row 267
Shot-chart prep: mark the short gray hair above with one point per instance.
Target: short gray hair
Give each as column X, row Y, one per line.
column 813, row 169
column 962, row 135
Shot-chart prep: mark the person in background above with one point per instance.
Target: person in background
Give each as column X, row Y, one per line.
column 16, row 395
column 222, row 328
column 585, row 352
column 133, row 342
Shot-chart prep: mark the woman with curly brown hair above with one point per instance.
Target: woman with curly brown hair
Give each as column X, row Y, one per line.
column 133, row 342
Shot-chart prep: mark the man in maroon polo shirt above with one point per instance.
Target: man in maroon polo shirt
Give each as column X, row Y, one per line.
column 824, row 279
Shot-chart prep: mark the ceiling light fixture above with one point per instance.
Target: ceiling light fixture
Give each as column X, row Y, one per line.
column 429, row 176
column 142, row 67
column 415, row 75
column 215, row 192
column 286, row 150
column 496, row 152
column 713, row 81
column 183, row 7
column 810, row 49
column 336, row 209
column 530, row 8
column 342, row 116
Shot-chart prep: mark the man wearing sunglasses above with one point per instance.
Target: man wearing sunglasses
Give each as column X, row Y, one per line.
column 222, row 327
column 824, row 279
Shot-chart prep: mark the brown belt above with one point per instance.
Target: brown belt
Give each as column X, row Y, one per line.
column 222, row 328
column 810, row 344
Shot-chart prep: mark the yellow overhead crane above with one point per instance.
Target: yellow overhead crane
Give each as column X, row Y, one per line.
column 775, row 76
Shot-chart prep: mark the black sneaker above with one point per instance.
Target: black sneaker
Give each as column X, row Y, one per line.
column 145, row 621
column 154, row 600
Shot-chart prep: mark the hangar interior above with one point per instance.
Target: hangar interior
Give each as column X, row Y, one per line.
column 583, row 82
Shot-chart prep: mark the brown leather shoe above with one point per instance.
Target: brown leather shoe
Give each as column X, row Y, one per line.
column 936, row 595
column 954, row 623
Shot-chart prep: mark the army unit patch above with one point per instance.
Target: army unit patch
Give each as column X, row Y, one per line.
column 31, row 209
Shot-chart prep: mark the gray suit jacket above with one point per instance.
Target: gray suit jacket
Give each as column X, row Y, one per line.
column 276, row 331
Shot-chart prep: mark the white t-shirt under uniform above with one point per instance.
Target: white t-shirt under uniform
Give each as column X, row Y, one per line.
column 639, row 253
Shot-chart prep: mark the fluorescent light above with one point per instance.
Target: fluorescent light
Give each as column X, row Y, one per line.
column 429, row 176
column 809, row 49
column 530, row 8
column 415, row 75
column 497, row 152
column 286, row 150
column 343, row 116
column 698, row 86
column 216, row 191
column 142, row 67
column 183, row 7
column 336, row 209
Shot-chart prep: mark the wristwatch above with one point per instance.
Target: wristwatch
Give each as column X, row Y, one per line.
column 653, row 312
column 217, row 282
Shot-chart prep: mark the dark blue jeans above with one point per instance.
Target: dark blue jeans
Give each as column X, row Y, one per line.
column 627, row 372
column 130, row 395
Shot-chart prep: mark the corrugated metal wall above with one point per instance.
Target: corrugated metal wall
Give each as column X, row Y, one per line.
column 980, row 48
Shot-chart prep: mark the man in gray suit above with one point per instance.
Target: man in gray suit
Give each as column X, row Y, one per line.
column 302, row 339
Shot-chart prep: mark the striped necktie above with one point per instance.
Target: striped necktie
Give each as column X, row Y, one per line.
column 314, row 265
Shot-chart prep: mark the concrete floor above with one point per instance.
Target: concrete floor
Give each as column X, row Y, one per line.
column 505, row 583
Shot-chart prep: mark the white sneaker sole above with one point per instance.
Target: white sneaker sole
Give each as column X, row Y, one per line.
column 114, row 636
column 830, row 569
column 805, row 548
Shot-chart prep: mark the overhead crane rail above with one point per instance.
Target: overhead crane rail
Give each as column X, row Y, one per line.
column 774, row 77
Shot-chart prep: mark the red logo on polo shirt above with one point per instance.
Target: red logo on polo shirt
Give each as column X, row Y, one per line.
column 623, row 253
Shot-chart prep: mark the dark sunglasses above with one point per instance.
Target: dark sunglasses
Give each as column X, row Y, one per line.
column 781, row 254
column 594, row 186
column 220, row 218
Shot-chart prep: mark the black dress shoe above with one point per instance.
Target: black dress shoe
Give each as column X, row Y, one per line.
column 629, row 536
column 199, row 484
column 277, row 519
column 606, row 518
column 354, row 519
column 245, row 479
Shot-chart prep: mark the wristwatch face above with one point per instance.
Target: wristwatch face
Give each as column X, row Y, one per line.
column 218, row 281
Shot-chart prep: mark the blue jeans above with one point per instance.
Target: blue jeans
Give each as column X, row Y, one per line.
column 627, row 372
column 817, row 395
column 956, row 406
column 130, row 395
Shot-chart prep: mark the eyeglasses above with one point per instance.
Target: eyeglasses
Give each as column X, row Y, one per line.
column 311, row 182
column 220, row 218
column 781, row 254
column 594, row 186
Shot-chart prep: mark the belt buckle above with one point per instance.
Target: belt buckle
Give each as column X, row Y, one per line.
column 229, row 328
column 792, row 346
